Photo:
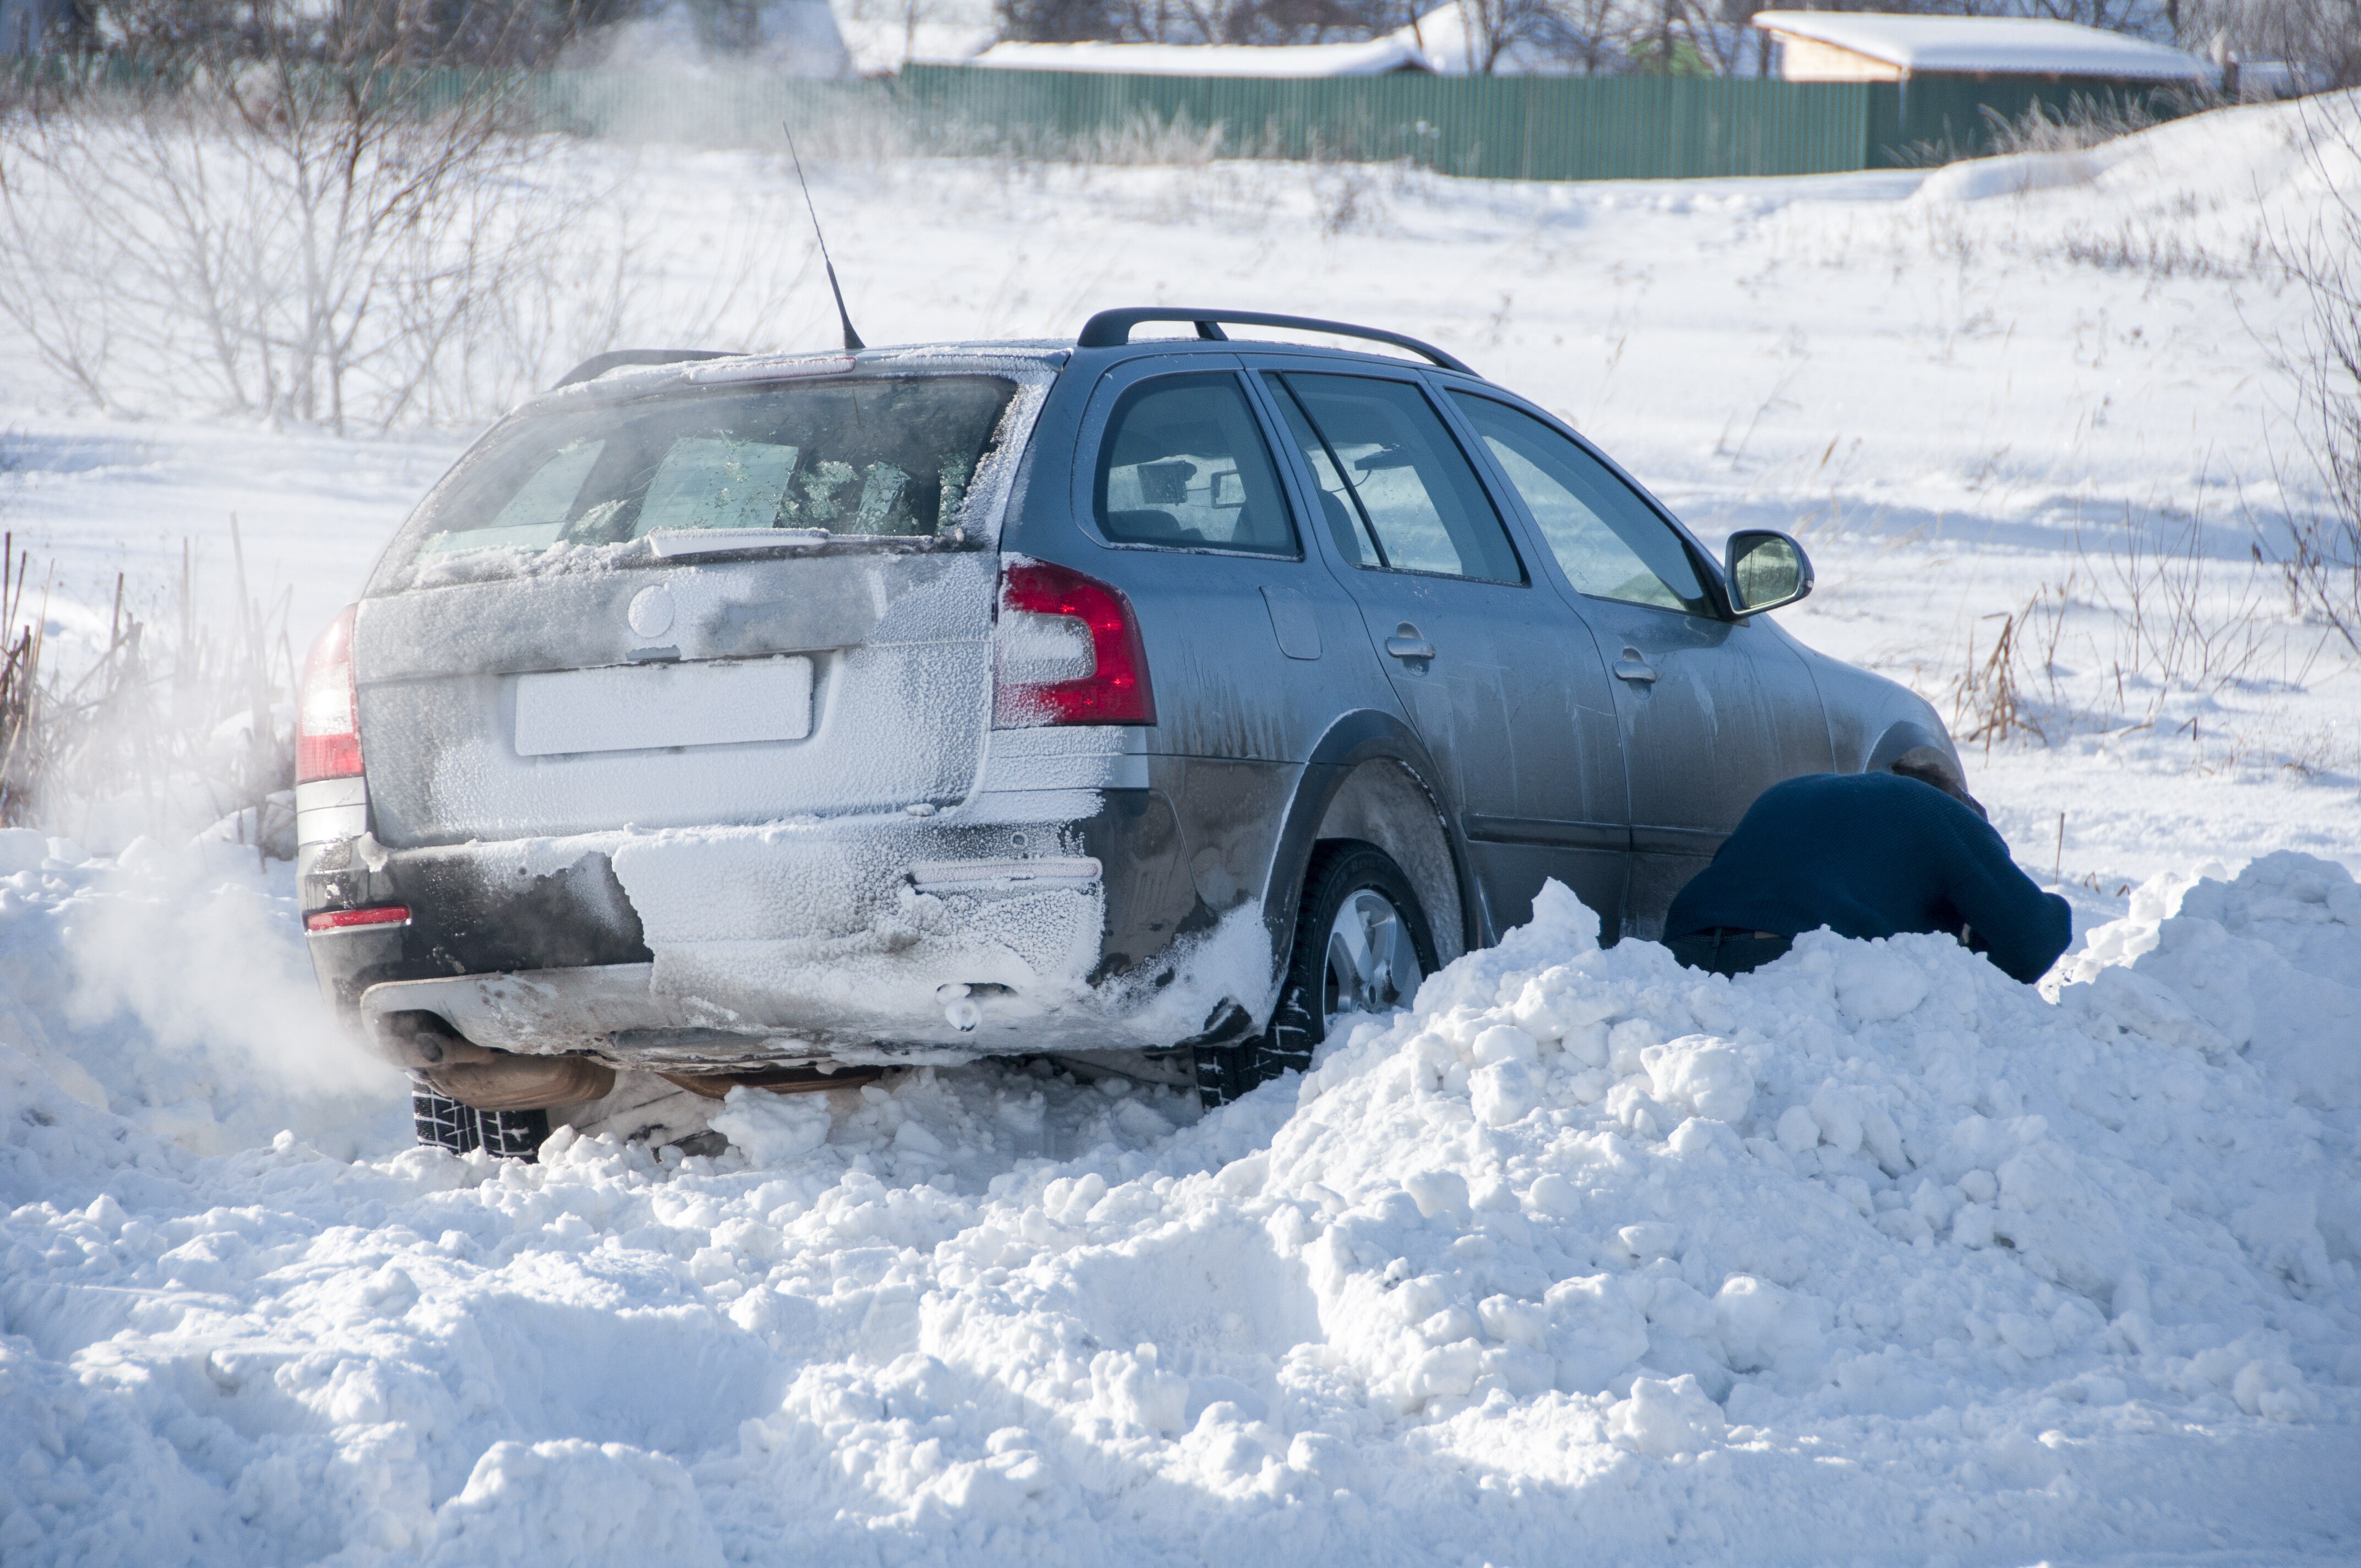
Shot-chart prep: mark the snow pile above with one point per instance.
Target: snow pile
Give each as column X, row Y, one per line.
column 1871, row 1246
column 2263, row 968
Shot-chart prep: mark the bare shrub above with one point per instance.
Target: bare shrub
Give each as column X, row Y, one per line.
column 2084, row 123
column 273, row 237
column 1150, row 139
column 1146, row 139
column 2177, row 624
column 2157, row 253
column 1347, row 196
column 2152, row 619
column 2322, row 561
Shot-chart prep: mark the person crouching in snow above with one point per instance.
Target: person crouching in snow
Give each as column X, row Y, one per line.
column 1866, row 855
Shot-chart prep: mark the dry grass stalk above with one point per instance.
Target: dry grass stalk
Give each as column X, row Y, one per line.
column 1988, row 700
column 181, row 730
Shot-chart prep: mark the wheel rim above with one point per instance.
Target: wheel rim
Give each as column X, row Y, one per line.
column 1372, row 963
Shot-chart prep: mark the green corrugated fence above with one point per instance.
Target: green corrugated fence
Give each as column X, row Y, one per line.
column 1499, row 127
column 1597, row 127
column 1947, row 115
column 1506, row 127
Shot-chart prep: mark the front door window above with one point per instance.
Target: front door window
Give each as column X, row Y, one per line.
column 1398, row 493
column 1609, row 542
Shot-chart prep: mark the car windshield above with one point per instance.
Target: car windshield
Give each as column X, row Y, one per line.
column 873, row 458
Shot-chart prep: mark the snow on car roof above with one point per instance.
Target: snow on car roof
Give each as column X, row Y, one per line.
column 2006, row 45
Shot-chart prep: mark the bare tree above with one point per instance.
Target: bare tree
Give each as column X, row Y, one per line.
column 1590, row 38
column 2319, row 38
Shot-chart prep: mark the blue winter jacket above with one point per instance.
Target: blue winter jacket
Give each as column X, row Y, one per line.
column 1872, row 855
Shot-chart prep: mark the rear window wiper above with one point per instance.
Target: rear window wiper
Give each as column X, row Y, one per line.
column 676, row 542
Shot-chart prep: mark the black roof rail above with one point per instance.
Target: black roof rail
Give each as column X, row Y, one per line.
column 599, row 364
column 1112, row 329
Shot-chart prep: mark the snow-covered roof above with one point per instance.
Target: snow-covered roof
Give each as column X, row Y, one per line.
column 2015, row 46
column 1444, row 40
column 882, row 46
column 1377, row 57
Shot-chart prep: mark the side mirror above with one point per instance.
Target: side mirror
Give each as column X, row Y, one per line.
column 1765, row 570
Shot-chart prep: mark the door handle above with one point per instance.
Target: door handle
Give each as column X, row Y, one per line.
column 1408, row 645
column 1634, row 668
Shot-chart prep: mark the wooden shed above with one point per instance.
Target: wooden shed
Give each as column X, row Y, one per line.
column 1868, row 46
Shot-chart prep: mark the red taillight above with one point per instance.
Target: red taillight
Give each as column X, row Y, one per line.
column 1054, row 620
column 327, row 712
column 351, row 919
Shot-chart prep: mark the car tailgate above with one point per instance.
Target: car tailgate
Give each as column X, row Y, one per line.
column 671, row 695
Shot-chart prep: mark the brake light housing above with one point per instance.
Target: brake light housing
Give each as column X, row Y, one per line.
column 1067, row 649
column 327, row 711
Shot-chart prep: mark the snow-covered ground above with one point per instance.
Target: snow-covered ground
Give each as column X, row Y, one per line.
column 1872, row 1256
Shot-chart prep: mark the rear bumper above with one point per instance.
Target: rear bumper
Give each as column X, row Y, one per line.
column 624, row 1016
column 711, row 949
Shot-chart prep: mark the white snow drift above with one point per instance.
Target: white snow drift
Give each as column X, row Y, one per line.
column 1872, row 1252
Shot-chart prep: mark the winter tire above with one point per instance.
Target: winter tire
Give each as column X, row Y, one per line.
column 1362, row 945
column 444, row 1122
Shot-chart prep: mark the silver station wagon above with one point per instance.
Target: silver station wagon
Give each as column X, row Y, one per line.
column 774, row 720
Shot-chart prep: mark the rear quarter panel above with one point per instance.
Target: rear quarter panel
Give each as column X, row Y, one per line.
column 1238, row 709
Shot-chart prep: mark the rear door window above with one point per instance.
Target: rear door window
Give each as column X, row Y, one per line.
column 872, row 458
column 1398, row 493
column 1184, row 465
column 1610, row 542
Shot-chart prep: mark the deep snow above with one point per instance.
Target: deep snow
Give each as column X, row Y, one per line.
column 1873, row 1246
column 1872, row 1255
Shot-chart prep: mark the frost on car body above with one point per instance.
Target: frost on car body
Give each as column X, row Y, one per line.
column 920, row 703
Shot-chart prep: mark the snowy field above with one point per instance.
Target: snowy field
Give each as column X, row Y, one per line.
column 1870, row 1256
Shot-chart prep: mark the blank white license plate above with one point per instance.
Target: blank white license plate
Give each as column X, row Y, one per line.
column 642, row 708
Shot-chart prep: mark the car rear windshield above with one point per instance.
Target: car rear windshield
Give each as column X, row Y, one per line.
column 854, row 459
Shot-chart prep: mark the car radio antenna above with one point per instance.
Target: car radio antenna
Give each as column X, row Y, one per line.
column 851, row 338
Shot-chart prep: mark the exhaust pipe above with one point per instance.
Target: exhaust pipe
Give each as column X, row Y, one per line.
column 473, row 1075
column 777, row 1080
column 522, row 1083
column 458, row 1069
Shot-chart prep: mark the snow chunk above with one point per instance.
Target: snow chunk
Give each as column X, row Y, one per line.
column 1595, row 1332
column 574, row 1502
column 778, row 1129
column 1702, row 1074
column 1767, row 1329
column 1665, row 1418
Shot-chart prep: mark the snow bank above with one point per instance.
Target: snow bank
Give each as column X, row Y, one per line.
column 2014, row 174
column 1872, row 1245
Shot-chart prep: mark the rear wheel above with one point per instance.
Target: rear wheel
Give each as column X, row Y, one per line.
column 1362, row 945
column 444, row 1123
